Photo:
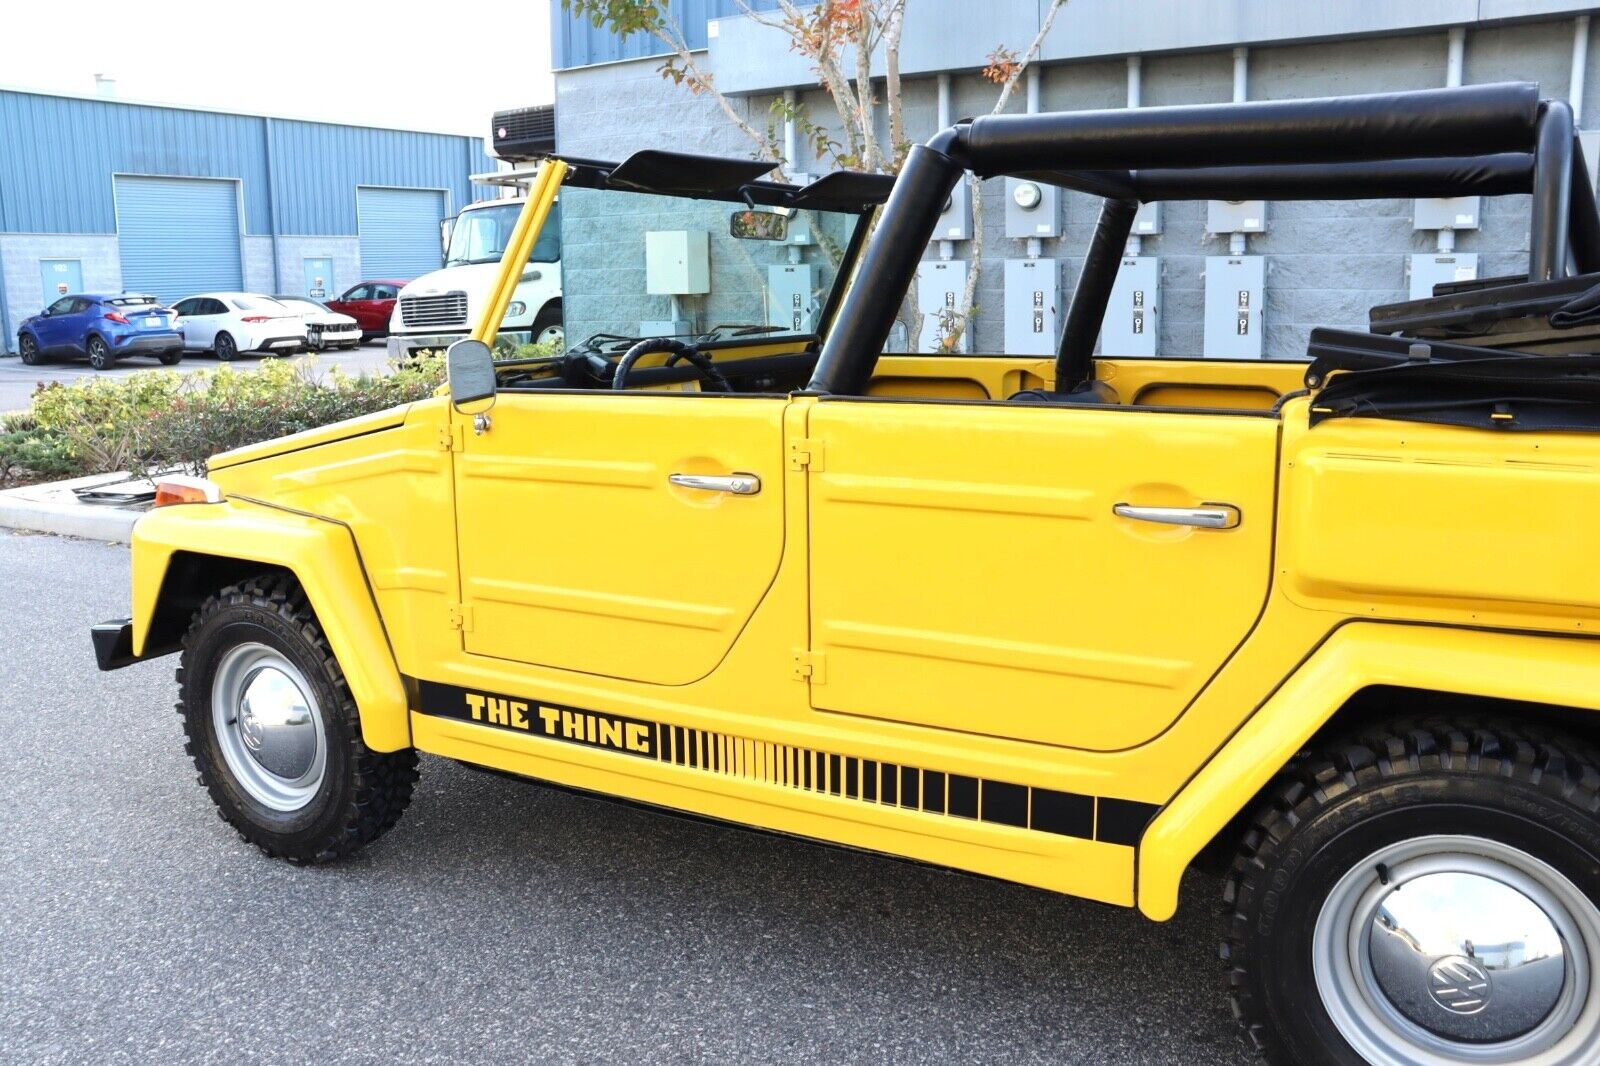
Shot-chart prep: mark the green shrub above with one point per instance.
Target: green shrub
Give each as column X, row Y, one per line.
column 159, row 420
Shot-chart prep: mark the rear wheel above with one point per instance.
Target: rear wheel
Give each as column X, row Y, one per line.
column 28, row 350
column 100, row 356
column 1424, row 894
column 274, row 732
column 225, row 347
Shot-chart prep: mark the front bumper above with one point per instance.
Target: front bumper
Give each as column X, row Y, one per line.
column 113, row 645
column 407, row 345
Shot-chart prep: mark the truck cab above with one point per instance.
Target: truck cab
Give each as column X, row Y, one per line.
column 1079, row 622
column 442, row 306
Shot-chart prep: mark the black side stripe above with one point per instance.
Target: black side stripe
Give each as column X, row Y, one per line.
column 1043, row 810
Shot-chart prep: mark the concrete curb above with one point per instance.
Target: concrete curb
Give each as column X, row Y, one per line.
column 52, row 508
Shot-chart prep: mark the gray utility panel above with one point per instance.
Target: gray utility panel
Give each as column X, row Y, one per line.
column 1133, row 314
column 1236, row 216
column 1147, row 220
column 955, row 221
column 179, row 236
column 1435, row 268
column 940, row 286
column 1234, row 321
column 1032, row 306
column 1033, row 209
column 1445, row 212
column 791, row 300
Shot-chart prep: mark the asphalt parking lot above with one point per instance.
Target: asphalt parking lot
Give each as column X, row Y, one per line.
column 17, row 382
column 502, row 921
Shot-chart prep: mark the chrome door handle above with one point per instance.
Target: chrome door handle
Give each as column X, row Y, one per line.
column 737, row 484
column 1206, row 516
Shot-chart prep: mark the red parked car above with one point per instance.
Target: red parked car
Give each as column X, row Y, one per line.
column 370, row 304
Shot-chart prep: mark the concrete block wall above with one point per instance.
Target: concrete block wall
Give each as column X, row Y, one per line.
column 294, row 251
column 20, row 255
column 1327, row 261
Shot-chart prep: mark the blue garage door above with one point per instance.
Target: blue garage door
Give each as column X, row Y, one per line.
column 399, row 232
column 179, row 236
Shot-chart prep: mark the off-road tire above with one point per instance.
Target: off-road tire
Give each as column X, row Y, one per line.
column 362, row 793
column 225, row 347
column 1532, row 788
column 28, row 350
column 100, row 355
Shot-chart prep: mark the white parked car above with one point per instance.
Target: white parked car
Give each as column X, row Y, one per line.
column 325, row 328
column 232, row 322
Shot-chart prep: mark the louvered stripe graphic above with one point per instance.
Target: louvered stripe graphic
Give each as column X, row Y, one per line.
column 1108, row 820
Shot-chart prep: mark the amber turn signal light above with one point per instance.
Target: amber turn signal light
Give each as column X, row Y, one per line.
column 181, row 488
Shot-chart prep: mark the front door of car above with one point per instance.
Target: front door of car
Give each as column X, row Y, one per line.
column 977, row 568
column 50, row 330
column 354, row 303
column 586, row 542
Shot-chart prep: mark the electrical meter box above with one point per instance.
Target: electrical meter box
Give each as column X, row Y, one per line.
column 1033, row 209
column 1235, row 285
column 791, row 300
column 799, row 234
column 1132, row 324
column 677, row 262
column 1445, row 212
column 955, row 221
column 940, row 285
column 1147, row 220
column 1433, row 268
column 1236, row 216
column 1032, row 306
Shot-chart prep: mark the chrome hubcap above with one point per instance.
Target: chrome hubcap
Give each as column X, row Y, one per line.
column 268, row 727
column 1454, row 949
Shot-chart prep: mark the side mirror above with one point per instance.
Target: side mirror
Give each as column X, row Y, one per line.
column 470, row 367
column 758, row 225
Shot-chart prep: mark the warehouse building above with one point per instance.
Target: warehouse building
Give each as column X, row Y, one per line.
column 1220, row 278
column 102, row 194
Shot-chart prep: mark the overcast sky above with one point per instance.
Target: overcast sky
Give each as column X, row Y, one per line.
column 411, row 63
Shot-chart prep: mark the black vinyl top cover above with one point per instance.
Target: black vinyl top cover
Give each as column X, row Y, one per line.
column 719, row 177
column 1429, row 122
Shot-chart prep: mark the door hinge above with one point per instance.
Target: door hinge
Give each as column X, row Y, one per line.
column 451, row 437
column 805, row 454
column 461, row 617
column 809, row 666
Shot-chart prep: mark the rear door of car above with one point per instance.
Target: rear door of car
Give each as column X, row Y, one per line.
column 77, row 322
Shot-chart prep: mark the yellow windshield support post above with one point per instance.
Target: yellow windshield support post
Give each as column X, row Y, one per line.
column 523, row 236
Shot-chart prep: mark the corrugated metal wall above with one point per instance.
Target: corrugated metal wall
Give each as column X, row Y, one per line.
column 576, row 42
column 61, row 153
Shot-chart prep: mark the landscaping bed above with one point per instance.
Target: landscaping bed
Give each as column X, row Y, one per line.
column 162, row 419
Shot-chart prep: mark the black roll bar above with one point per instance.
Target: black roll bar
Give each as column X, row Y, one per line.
column 1392, row 144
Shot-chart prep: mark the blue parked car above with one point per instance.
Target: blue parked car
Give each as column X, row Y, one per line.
column 103, row 327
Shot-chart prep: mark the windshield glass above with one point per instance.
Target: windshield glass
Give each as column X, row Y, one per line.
column 481, row 235
column 642, row 265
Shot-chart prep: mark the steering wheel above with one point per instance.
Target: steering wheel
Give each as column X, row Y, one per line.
column 710, row 377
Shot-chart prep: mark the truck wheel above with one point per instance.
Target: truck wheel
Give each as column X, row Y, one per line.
column 1424, row 893
column 274, row 732
column 547, row 327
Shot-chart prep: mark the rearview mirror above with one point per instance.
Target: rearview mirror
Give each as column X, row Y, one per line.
column 469, row 366
column 758, row 225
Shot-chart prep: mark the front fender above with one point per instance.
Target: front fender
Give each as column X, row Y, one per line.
column 1555, row 670
column 323, row 557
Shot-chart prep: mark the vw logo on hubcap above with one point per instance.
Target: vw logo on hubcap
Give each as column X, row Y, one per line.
column 1459, row 985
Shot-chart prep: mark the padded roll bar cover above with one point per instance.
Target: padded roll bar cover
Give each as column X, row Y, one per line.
column 1488, row 175
column 1427, row 122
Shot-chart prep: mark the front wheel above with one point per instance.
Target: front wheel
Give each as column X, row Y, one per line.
column 274, row 732
column 1424, row 894
column 548, row 328
column 100, row 356
column 28, row 350
column 225, row 347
